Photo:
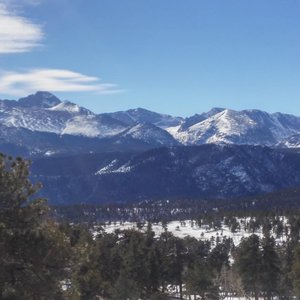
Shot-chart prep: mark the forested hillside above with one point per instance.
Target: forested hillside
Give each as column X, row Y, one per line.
column 45, row 257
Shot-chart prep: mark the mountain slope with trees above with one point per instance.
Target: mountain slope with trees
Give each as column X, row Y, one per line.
column 207, row 171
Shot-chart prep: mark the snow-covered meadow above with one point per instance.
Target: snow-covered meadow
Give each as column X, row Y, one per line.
column 190, row 228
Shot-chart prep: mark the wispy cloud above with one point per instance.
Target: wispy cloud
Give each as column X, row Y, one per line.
column 17, row 34
column 18, row 3
column 53, row 80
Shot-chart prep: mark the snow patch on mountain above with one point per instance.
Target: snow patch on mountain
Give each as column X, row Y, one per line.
column 89, row 125
column 292, row 141
column 113, row 167
column 68, row 107
column 33, row 119
column 150, row 134
column 107, row 168
column 123, row 169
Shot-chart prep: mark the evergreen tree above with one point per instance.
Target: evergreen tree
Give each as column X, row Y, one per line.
column 248, row 260
column 34, row 252
column 296, row 271
column 270, row 267
column 98, row 266
column 134, row 253
column 125, row 288
column 286, row 255
column 152, row 262
column 219, row 257
column 200, row 281
column 171, row 258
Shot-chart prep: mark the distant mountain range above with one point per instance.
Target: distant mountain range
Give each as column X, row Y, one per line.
column 40, row 116
column 138, row 154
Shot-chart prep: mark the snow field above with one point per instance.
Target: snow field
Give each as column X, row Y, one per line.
column 186, row 228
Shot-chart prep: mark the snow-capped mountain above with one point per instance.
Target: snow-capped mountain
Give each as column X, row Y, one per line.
column 39, row 112
column 39, row 99
column 149, row 134
column 141, row 115
column 44, row 112
column 197, row 118
column 252, row 127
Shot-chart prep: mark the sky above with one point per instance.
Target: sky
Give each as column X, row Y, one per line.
column 179, row 57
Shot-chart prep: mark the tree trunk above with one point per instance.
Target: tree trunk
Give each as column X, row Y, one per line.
column 180, row 290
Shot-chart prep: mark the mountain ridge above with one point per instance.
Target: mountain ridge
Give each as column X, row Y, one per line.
column 207, row 171
column 44, row 112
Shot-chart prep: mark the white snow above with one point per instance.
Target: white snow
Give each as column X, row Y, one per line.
column 34, row 119
column 49, row 153
column 188, row 228
column 89, row 125
column 216, row 129
column 107, row 168
column 111, row 168
column 66, row 106
column 149, row 134
column 123, row 169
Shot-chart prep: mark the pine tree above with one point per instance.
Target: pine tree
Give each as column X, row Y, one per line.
column 248, row 261
column 97, row 264
column 152, row 262
column 200, row 281
column 270, row 268
column 171, row 251
column 34, row 252
column 296, row 271
column 125, row 288
column 285, row 285
column 134, row 254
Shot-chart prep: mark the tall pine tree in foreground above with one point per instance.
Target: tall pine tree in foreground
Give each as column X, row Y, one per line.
column 33, row 251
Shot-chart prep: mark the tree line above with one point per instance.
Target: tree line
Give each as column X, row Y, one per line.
column 41, row 258
column 285, row 202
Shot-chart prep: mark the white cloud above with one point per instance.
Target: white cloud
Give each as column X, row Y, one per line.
column 30, row 2
column 18, row 3
column 17, row 34
column 53, row 80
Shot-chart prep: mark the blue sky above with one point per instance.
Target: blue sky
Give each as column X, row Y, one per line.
column 172, row 56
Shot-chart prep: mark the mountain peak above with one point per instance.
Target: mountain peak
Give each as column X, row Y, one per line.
column 149, row 133
column 215, row 110
column 40, row 99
